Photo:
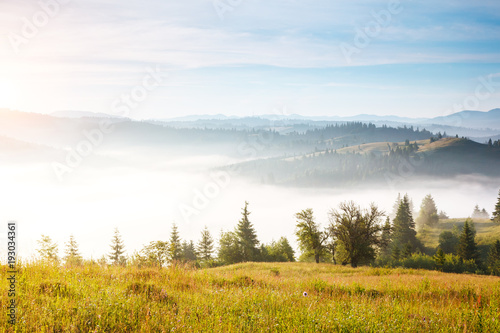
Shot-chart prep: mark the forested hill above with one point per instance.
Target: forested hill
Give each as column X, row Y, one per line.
column 60, row 132
column 379, row 162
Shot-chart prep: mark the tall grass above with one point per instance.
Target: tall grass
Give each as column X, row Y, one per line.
column 250, row 297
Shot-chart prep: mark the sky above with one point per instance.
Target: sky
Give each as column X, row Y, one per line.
column 164, row 58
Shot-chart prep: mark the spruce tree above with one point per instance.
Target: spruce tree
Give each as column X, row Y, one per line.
column 496, row 212
column 404, row 226
column 396, row 252
column 428, row 214
column 494, row 259
column 386, row 236
column 174, row 252
column 247, row 237
column 72, row 254
column 117, row 249
column 439, row 258
column 467, row 248
column 188, row 251
column 407, row 250
column 205, row 246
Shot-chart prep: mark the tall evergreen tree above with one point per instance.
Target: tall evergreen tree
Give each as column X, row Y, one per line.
column 496, row 212
column 467, row 248
column 404, row 226
column 205, row 246
column 174, row 252
column 428, row 214
column 188, row 252
column 439, row 258
column 72, row 254
column 494, row 258
column 247, row 237
column 117, row 249
column 386, row 237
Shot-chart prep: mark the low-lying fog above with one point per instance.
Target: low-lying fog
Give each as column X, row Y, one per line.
column 144, row 202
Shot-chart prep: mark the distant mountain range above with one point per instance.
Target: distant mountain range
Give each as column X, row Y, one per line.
column 464, row 119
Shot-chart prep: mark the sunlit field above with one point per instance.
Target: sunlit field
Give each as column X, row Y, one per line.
column 251, row 297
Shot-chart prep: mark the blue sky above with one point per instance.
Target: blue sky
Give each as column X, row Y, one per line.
column 417, row 59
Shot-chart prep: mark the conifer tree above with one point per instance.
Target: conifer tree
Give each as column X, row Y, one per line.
column 247, row 237
column 439, row 258
column 467, row 248
column 72, row 254
column 205, row 246
column 494, row 259
column 428, row 214
column 396, row 252
column 407, row 250
column 386, row 236
column 174, row 252
column 188, row 251
column 117, row 249
column 496, row 212
column 404, row 226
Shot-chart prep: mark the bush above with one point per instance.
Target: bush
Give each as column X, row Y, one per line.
column 418, row 260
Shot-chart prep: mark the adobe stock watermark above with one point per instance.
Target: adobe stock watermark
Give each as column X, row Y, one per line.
column 223, row 6
column 30, row 28
column 249, row 149
column 371, row 30
column 121, row 106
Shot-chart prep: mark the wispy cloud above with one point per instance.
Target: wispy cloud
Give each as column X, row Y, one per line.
column 108, row 42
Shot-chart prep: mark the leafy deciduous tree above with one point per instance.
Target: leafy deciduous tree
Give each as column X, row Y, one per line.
column 155, row 253
column 359, row 232
column 448, row 242
column 311, row 239
column 229, row 249
column 48, row 250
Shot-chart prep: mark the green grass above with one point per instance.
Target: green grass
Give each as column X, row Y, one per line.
column 251, row 297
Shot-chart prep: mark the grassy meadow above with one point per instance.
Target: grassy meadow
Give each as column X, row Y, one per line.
column 487, row 232
column 250, row 297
